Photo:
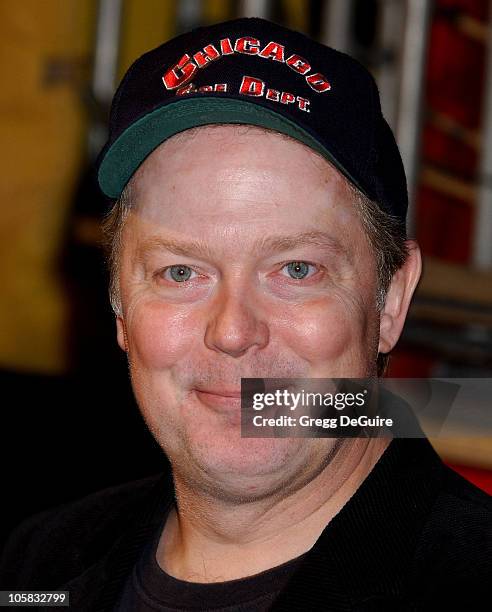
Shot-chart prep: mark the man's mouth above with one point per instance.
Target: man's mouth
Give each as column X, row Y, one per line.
column 219, row 398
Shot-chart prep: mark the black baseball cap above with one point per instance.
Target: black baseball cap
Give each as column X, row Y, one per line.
column 252, row 71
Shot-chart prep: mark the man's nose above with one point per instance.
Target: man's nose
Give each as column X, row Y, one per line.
column 235, row 323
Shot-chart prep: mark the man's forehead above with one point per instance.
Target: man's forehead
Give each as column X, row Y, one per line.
column 199, row 188
column 216, row 145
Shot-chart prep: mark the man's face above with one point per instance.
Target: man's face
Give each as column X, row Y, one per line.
column 243, row 257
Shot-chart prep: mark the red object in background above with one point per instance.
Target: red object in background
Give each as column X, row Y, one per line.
column 444, row 226
column 478, row 9
column 406, row 363
column 454, row 88
column 479, row 477
column 447, row 153
column 455, row 73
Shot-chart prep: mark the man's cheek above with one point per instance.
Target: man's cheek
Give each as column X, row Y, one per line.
column 319, row 331
column 160, row 335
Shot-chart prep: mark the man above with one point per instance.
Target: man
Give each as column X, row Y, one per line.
column 259, row 231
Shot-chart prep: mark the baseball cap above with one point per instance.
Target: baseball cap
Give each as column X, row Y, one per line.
column 253, row 71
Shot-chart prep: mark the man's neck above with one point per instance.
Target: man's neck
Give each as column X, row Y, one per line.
column 207, row 540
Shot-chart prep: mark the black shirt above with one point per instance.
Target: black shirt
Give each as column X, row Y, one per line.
column 149, row 588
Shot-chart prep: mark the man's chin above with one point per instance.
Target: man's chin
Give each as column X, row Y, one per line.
column 246, row 468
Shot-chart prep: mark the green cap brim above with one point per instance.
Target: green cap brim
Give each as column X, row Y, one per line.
column 141, row 138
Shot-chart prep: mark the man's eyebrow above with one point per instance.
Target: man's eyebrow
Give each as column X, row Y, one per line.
column 191, row 248
column 266, row 245
column 315, row 237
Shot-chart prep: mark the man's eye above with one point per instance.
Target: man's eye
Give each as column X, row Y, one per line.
column 298, row 270
column 178, row 273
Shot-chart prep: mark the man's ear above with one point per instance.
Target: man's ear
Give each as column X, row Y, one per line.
column 121, row 333
column 398, row 298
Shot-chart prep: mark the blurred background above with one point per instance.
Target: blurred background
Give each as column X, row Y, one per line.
column 69, row 423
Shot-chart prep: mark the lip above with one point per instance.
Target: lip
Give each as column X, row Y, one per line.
column 221, row 392
column 218, row 401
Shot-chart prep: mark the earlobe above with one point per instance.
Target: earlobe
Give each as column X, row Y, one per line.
column 398, row 298
column 121, row 334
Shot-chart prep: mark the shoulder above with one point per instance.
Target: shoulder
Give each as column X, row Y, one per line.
column 462, row 514
column 74, row 535
column 455, row 548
